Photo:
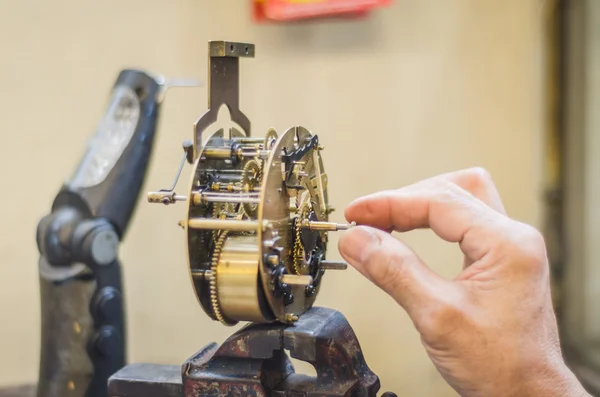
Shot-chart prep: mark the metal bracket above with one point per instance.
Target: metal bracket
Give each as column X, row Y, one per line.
column 224, row 86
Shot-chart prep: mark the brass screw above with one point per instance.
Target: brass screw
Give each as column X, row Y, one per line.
column 273, row 260
column 70, row 385
column 76, row 327
column 290, row 317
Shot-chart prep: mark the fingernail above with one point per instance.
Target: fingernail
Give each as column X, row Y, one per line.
column 354, row 243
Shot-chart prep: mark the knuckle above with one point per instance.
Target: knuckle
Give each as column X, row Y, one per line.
column 449, row 194
column 479, row 177
column 369, row 209
column 532, row 248
column 446, row 191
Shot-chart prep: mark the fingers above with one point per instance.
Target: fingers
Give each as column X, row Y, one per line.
column 476, row 181
column 394, row 267
column 452, row 212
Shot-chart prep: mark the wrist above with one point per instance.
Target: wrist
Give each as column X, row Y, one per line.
column 552, row 381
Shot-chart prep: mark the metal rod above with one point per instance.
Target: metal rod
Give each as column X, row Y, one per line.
column 217, row 152
column 224, row 224
column 293, row 279
column 233, row 172
column 230, row 187
column 165, row 197
column 247, row 152
column 183, row 160
column 214, row 197
column 326, row 226
column 249, row 140
column 333, row 265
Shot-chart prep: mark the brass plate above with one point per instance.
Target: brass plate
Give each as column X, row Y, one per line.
column 275, row 208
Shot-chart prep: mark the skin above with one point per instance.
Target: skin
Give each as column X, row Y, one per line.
column 491, row 331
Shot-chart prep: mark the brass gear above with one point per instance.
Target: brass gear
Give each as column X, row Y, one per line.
column 220, row 211
column 251, row 177
column 299, row 254
column 270, row 139
column 212, row 278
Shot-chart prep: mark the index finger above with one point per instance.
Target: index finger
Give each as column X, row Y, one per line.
column 452, row 212
column 374, row 210
column 478, row 182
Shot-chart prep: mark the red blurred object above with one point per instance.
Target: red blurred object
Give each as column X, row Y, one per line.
column 294, row 10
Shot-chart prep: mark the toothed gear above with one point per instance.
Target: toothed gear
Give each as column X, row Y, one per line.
column 251, row 178
column 220, row 211
column 212, row 278
column 299, row 253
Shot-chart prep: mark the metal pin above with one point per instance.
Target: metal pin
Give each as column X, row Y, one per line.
column 334, row 265
column 225, row 224
column 293, row 279
column 199, row 273
column 326, row 226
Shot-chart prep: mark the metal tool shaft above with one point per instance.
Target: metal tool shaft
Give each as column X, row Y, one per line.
column 325, row 226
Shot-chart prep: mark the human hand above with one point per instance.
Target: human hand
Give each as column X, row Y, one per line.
column 491, row 331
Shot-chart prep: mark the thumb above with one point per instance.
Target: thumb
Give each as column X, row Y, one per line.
column 394, row 267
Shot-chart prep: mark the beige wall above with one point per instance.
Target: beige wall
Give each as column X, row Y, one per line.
column 417, row 89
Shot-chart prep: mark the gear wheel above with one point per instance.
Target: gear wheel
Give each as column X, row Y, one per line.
column 220, row 211
column 299, row 253
column 212, row 279
column 251, row 178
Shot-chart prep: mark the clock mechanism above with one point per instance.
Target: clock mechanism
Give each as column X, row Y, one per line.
column 257, row 218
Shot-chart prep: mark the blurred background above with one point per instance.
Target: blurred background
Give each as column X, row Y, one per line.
column 412, row 90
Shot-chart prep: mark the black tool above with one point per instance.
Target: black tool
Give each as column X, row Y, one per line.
column 83, row 322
